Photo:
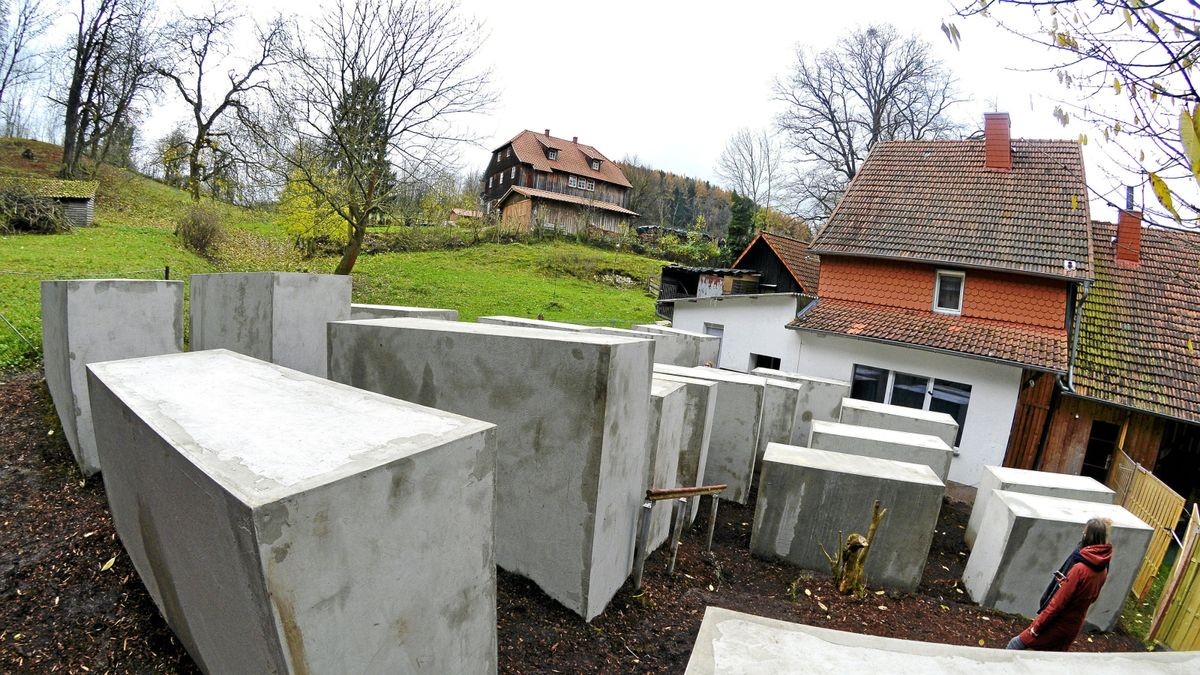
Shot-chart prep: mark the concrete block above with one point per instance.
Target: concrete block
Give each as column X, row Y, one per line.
column 781, row 414
column 1024, row 538
column 532, row 323
column 668, row 401
column 287, row 524
column 273, row 316
column 732, row 642
column 899, row 418
column 92, row 320
column 694, row 349
column 1062, row 485
column 361, row 311
column 735, row 427
column 697, row 432
column 820, row 399
column 806, row 497
column 883, row 443
column 573, row 411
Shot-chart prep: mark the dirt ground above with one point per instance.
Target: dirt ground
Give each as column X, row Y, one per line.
column 71, row 602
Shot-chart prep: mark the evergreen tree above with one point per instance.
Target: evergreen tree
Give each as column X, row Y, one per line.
column 741, row 225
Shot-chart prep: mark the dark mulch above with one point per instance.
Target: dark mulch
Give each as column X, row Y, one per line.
column 62, row 609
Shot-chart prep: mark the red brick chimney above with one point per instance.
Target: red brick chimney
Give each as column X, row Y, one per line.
column 1129, row 237
column 997, row 141
column 574, row 139
column 547, row 132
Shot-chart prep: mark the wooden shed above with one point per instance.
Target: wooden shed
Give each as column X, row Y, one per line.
column 78, row 197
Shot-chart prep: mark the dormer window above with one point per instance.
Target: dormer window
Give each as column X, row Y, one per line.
column 595, row 165
column 552, row 153
column 948, row 292
column 572, row 181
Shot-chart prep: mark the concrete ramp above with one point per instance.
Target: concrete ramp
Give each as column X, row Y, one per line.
column 733, row 642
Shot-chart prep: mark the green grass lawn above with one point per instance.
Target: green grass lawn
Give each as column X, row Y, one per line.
column 133, row 238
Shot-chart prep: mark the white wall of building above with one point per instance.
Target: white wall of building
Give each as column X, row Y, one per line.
column 994, row 390
column 752, row 324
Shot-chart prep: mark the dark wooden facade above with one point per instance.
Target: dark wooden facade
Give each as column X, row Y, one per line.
column 776, row 278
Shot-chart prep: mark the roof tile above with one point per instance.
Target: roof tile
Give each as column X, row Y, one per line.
column 573, row 158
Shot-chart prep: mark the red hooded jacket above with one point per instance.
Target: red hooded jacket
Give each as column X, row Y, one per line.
column 1056, row 626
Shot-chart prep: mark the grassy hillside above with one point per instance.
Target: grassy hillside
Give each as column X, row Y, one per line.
column 133, row 238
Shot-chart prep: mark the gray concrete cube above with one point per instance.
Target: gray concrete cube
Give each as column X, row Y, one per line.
column 899, row 418
column 573, row 416
column 697, row 432
column 91, row 320
column 361, row 311
column 1062, row 485
column 668, row 401
column 883, row 443
column 735, row 427
column 691, row 349
column 806, row 497
column 781, row 413
column 1024, row 538
column 287, row 524
column 273, row 316
column 820, row 399
column 533, row 323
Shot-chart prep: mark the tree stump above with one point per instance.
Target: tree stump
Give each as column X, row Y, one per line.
column 849, row 565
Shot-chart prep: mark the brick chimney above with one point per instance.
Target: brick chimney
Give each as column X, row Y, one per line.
column 547, row 132
column 1129, row 237
column 997, row 141
column 574, row 139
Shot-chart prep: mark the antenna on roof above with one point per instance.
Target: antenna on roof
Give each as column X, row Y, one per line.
column 1128, row 197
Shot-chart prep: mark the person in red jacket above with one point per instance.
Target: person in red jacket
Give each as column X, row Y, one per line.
column 1075, row 587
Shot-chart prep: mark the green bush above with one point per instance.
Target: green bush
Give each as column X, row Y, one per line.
column 200, row 230
column 21, row 211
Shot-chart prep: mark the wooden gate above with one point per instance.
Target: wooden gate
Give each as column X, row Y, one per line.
column 1156, row 504
column 1176, row 620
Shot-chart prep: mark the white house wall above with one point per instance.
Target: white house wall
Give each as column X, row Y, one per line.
column 994, row 390
column 752, row 324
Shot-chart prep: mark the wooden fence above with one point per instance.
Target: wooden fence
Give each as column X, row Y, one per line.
column 1156, row 504
column 1176, row 620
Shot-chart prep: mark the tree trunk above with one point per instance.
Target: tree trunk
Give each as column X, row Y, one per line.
column 350, row 253
column 849, row 565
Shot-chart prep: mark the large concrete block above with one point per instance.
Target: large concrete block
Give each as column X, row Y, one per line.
column 781, row 413
column 735, row 427
column 287, row 524
column 533, row 323
column 1024, row 538
column 573, row 415
column 806, row 497
column 92, row 320
column 273, row 316
column 668, row 401
column 693, row 349
column 899, row 418
column 697, row 432
column 883, row 443
column 361, row 311
column 820, row 399
column 1062, row 485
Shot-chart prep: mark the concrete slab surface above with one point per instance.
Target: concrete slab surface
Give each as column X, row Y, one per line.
column 697, row 432
column 691, row 349
column 883, row 443
column 1062, row 485
column 781, row 413
column 668, row 402
column 532, row 323
column 364, row 311
column 734, row 643
column 899, row 418
column 820, row 399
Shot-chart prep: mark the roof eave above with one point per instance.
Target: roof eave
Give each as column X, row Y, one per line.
column 1075, row 278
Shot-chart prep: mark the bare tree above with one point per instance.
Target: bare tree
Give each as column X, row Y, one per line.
column 875, row 85
column 205, row 44
column 18, row 61
column 366, row 110
column 750, row 164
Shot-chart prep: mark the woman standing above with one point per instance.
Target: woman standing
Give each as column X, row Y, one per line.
column 1075, row 587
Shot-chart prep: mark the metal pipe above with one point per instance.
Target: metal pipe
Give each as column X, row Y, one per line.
column 714, row 501
column 678, row 513
column 643, row 534
column 656, row 495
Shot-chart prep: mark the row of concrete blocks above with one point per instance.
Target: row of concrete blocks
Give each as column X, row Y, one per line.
column 1025, row 523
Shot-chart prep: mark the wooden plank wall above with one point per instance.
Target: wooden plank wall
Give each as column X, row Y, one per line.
column 1159, row 507
column 1071, row 427
column 1029, row 421
column 1177, row 618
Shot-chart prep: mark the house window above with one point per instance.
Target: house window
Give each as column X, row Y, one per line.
column 595, row 165
column 490, row 181
column 501, row 181
column 912, row 391
column 552, row 154
column 591, row 185
column 764, row 361
column 948, row 292
column 573, row 182
column 514, row 173
column 718, row 331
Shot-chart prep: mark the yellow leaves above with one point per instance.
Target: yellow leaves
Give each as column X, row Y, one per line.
column 808, row 592
column 1063, row 117
column 822, row 606
column 951, row 32
column 982, row 642
column 883, row 608
column 1065, row 41
column 1074, row 202
column 1152, row 25
column 1117, row 84
column 1083, row 139
column 108, row 564
column 1191, row 346
column 1128, row 17
column 1164, row 195
column 1189, row 132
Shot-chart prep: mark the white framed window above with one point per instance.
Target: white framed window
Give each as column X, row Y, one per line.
column 513, row 174
column 870, row 383
column 552, row 154
column 716, row 330
column 490, row 181
column 573, row 182
column 501, row 178
column 948, row 292
column 595, row 165
column 591, row 185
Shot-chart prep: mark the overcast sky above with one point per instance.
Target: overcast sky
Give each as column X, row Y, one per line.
column 669, row 81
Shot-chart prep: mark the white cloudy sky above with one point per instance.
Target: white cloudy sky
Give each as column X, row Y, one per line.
column 669, row 81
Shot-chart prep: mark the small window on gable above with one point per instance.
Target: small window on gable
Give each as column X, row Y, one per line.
column 591, row 185
column 552, row 154
column 948, row 292
column 513, row 174
column 501, row 181
column 572, row 182
column 595, row 165
column 490, row 181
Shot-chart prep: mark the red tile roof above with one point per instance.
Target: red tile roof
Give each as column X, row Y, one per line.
column 936, row 202
column 569, row 199
column 573, row 158
column 1027, row 346
column 1139, row 338
column 804, row 266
